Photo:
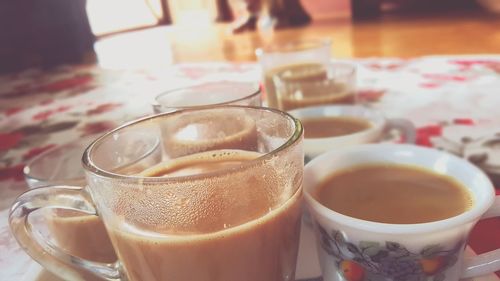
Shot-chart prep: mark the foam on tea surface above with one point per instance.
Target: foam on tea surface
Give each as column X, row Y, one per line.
column 226, row 229
column 200, row 163
column 202, row 131
column 396, row 194
column 333, row 126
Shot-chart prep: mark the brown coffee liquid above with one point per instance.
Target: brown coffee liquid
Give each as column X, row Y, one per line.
column 83, row 236
column 264, row 248
column 333, row 126
column 186, row 166
column 396, row 194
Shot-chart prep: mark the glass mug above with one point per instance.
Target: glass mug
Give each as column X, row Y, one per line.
column 295, row 55
column 355, row 249
column 209, row 94
column 224, row 214
column 332, row 83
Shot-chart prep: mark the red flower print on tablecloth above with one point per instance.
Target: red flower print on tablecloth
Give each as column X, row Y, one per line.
column 435, row 80
column 67, row 83
column 424, row 134
column 193, row 72
column 46, row 102
column 63, row 108
column 370, row 95
column 446, row 77
column 10, row 140
column 389, row 66
column 463, row 121
column 97, row 127
column 12, row 111
column 15, row 93
column 103, row 108
column 36, row 151
column 429, row 85
column 14, row 173
column 466, row 65
column 44, row 115
column 495, row 66
column 33, row 84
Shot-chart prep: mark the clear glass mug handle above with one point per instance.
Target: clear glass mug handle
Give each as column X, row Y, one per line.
column 405, row 127
column 48, row 255
column 488, row 262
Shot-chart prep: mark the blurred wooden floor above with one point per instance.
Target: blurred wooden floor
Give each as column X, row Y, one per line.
column 402, row 36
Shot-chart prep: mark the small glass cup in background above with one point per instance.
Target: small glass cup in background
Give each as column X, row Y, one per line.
column 333, row 83
column 62, row 165
column 75, row 232
column 209, row 94
column 295, row 54
column 58, row 165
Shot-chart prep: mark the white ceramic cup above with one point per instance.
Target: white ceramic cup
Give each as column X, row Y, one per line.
column 358, row 250
column 380, row 126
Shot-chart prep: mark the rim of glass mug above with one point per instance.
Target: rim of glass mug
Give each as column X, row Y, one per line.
column 297, row 45
column 78, row 144
column 483, row 190
column 254, row 90
column 90, row 166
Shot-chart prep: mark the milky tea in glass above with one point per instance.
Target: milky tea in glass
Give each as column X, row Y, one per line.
column 225, row 205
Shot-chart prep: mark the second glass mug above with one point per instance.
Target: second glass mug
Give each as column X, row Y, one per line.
column 310, row 54
column 225, row 214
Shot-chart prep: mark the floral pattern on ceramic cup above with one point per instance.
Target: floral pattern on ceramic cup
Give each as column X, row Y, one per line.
column 389, row 261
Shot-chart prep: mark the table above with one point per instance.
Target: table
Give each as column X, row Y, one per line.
column 447, row 98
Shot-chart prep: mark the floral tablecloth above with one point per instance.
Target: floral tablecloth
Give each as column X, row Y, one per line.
column 451, row 100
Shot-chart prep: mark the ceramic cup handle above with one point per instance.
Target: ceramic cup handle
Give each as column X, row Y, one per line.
column 488, row 262
column 44, row 252
column 405, row 127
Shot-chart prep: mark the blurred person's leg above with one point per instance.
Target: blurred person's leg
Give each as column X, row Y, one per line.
column 248, row 21
column 288, row 13
column 224, row 13
column 285, row 13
